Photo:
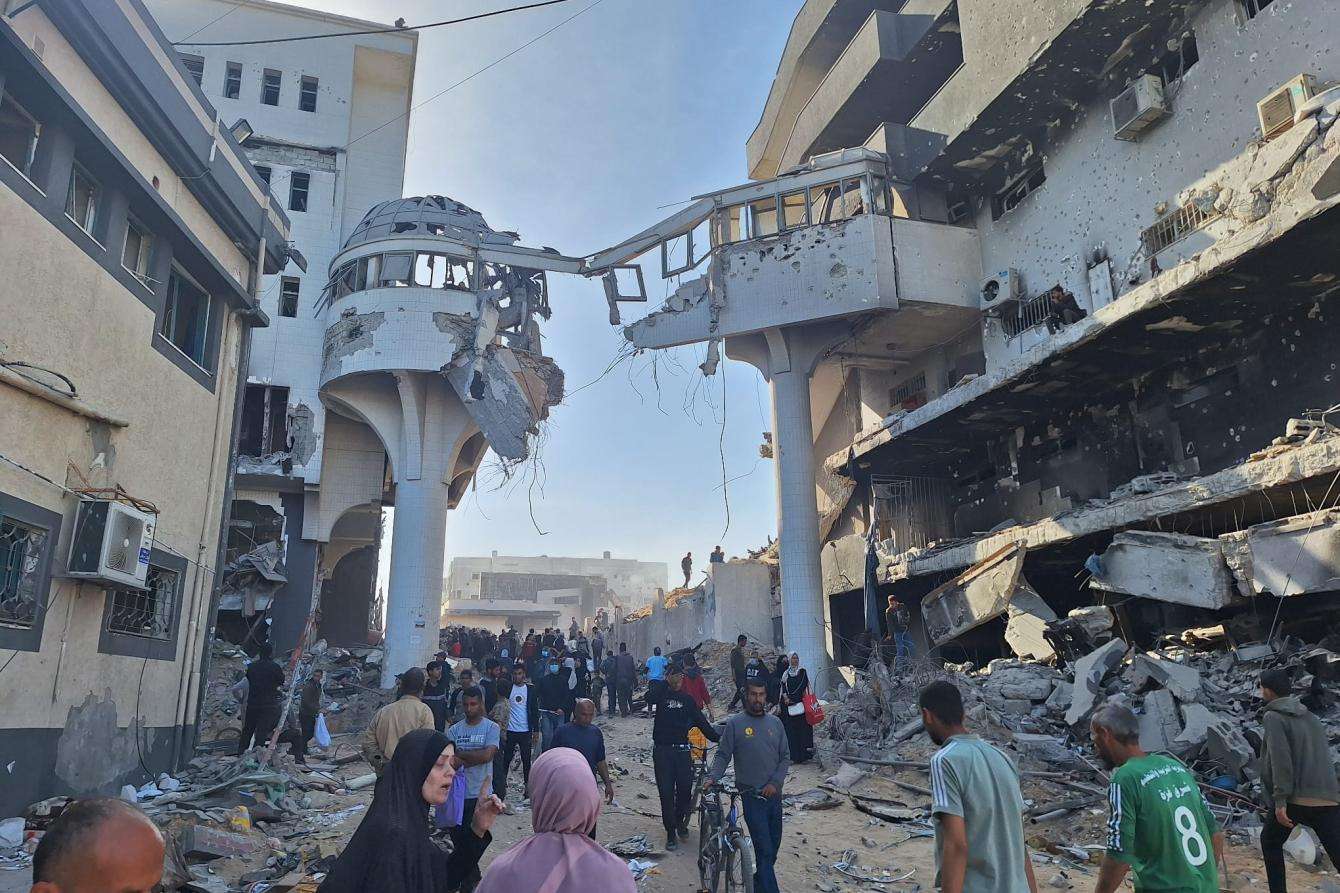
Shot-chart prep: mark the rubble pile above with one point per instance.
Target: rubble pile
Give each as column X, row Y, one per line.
column 714, row 658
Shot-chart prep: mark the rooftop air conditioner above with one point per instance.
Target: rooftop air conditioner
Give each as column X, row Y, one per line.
column 1000, row 292
column 1276, row 111
column 111, row 543
column 1138, row 107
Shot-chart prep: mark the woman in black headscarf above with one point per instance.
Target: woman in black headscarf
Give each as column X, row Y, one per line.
column 391, row 850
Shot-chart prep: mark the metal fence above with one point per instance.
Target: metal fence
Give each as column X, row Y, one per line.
column 912, row 511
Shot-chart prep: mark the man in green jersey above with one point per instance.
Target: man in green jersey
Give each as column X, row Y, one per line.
column 1159, row 827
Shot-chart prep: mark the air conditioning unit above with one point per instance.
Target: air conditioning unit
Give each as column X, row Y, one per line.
column 1000, row 292
column 1276, row 111
column 111, row 543
column 1138, row 107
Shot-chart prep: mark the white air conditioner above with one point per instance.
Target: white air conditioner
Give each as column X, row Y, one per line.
column 111, row 543
column 1138, row 107
column 1000, row 291
column 1276, row 111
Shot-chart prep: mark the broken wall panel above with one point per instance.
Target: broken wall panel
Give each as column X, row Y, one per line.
column 1167, row 567
column 980, row 594
column 1292, row 556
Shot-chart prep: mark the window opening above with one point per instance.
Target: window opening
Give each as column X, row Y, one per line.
column 307, row 95
column 19, row 133
column 1253, row 8
column 264, row 172
column 763, row 218
column 270, row 82
column 396, row 270
column 825, row 203
column 135, row 253
column 22, row 547
column 186, row 316
column 147, row 612
column 853, row 203
column 1176, row 63
column 289, row 287
column 232, row 80
column 297, row 190
column 81, row 203
column 1018, row 189
column 264, row 426
column 795, row 210
column 195, row 67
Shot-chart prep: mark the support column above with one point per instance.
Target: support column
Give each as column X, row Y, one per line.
column 803, row 602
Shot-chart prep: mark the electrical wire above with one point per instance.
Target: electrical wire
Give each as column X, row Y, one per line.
column 387, row 30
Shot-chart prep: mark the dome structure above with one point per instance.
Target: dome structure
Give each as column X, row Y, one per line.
column 427, row 216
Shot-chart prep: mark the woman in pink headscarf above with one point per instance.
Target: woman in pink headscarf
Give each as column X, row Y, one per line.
column 560, row 857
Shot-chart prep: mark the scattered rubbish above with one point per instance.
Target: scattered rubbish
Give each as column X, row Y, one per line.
column 11, row 832
column 629, row 847
column 640, row 867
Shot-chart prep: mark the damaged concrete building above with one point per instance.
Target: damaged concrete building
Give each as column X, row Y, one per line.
column 1052, row 277
column 325, row 122
column 134, row 234
column 627, row 582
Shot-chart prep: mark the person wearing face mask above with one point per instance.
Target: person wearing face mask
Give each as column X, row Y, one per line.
column 557, row 695
column 391, row 851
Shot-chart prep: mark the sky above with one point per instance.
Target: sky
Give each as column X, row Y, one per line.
column 578, row 142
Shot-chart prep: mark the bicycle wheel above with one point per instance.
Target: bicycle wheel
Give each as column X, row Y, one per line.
column 707, row 850
column 740, row 865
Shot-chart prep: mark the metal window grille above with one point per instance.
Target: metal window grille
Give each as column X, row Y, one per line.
column 145, row 612
column 1029, row 314
column 1177, row 226
column 21, row 550
column 912, row 511
column 914, row 387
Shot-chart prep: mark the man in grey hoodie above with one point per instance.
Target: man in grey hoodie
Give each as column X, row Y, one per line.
column 1296, row 776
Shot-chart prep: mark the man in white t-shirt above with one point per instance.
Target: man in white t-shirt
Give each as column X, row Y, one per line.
column 476, row 738
column 523, row 729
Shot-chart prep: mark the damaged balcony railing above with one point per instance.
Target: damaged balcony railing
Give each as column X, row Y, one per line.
column 911, row 511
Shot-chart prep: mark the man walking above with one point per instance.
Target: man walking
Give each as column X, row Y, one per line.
column 756, row 741
column 264, row 679
column 656, row 665
column 625, row 672
column 686, row 565
column 597, row 646
column 523, row 730
column 673, row 764
column 435, row 693
column 395, row 720
column 476, row 738
column 455, row 710
column 556, row 698
column 587, row 740
column 309, row 705
column 737, row 662
column 1297, row 777
column 976, row 802
column 1159, row 828
column 899, row 623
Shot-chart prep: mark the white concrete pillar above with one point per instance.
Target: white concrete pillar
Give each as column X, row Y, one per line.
column 803, row 603
column 414, row 602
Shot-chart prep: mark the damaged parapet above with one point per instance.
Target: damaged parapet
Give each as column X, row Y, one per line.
column 433, row 340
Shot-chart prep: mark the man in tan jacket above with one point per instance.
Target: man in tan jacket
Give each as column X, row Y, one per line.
column 395, row 720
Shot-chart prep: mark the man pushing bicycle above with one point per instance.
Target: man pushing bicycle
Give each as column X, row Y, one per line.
column 756, row 741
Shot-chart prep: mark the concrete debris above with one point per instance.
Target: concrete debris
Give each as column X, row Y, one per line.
column 1160, row 724
column 1167, row 567
column 1089, row 673
column 251, row 581
column 1182, row 681
column 1026, row 627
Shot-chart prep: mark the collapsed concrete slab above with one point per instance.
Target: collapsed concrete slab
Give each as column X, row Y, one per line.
column 1167, row 567
column 977, row 595
column 1182, row 681
column 1160, row 724
column 1088, row 685
column 1291, row 556
column 1028, row 616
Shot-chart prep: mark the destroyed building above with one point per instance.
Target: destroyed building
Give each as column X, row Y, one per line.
column 623, row 582
column 134, row 232
column 927, row 175
column 318, row 120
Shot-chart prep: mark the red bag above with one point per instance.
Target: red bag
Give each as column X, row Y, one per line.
column 814, row 713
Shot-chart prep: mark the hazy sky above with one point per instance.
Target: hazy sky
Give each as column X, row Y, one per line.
column 577, row 142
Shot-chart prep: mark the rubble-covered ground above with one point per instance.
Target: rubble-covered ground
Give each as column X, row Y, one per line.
column 851, row 824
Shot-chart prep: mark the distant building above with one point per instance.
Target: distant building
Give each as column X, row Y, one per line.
column 129, row 248
column 626, row 582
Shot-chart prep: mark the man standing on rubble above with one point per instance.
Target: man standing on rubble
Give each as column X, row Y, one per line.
column 309, row 705
column 1159, row 826
column 1297, row 777
column 626, row 672
column 264, row 680
column 686, row 565
column 673, row 764
column 395, row 720
column 609, row 670
column 976, row 803
column 898, row 622
column 737, row 670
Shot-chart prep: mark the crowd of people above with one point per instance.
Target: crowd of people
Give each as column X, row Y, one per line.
column 444, row 749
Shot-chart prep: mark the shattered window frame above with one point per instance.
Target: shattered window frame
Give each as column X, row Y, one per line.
column 83, row 188
column 271, row 79
column 195, row 67
column 13, row 110
column 391, row 266
column 145, row 623
column 27, row 636
column 761, row 217
column 787, row 201
column 1253, row 8
column 1019, row 188
column 290, row 287
column 174, row 324
column 21, row 548
column 264, row 171
column 307, row 93
column 854, row 186
column 829, row 195
column 299, row 191
column 138, row 265
column 232, row 80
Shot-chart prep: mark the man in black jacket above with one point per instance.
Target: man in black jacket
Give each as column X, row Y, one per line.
column 557, row 699
column 737, row 670
column 522, row 727
column 676, row 713
column 264, row 679
column 435, row 690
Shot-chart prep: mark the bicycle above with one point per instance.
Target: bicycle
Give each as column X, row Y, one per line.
column 725, row 852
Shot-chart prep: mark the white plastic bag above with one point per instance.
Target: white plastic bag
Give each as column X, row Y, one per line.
column 322, row 733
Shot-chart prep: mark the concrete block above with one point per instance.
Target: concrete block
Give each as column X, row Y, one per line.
column 1276, row 157
column 1060, row 698
column 1028, row 616
column 1048, row 748
column 1196, row 722
column 1089, row 672
column 1291, row 556
column 1181, row 680
column 1225, row 745
column 1160, row 724
column 977, row 595
column 1167, row 567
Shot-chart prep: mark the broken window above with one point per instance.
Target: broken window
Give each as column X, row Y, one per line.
column 22, row 547
column 270, row 81
column 1178, row 61
column 195, row 66
column 430, row 270
column 396, row 270
column 459, row 273
column 185, row 320
column 365, row 273
column 264, row 172
column 81, row 202
column 289, row 287
column 19, row 132
column 232, row 80
column 1017, row 190
column 879, row 195
column 730, row 225
column 853, row 202
column 1253, row 8
column 825, row 203
column 264, row 425
column 298, row 184
column 795, row 210
column 145, row 612
column 307, row 95
column 763, row 218
column 344, row 280
column 135, row 253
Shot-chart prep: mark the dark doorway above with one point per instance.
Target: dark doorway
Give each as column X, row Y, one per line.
column 346, row 598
